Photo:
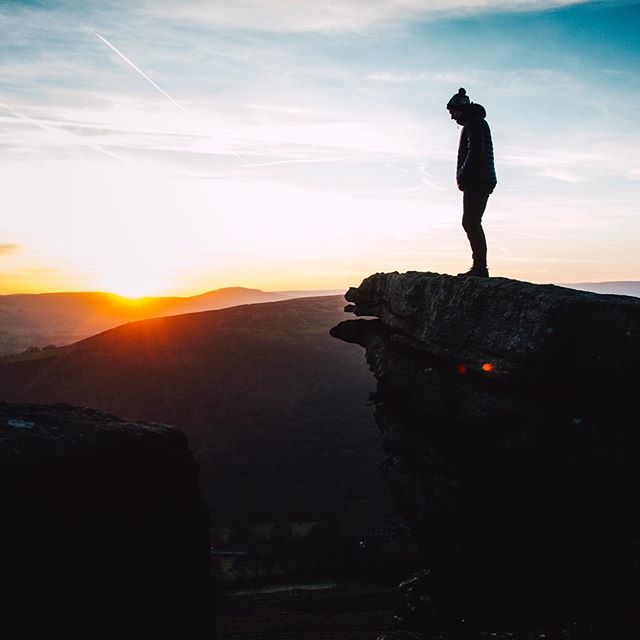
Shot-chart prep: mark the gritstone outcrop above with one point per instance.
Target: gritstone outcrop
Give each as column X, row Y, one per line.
column 103, row 533
column 509, row 415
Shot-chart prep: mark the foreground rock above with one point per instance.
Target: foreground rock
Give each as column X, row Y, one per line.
column 103, row 531
column 509, row 416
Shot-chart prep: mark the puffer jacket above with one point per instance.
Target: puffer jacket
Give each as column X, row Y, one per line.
column 475, row 168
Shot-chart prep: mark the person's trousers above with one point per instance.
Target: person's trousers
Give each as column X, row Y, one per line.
column 474, row 202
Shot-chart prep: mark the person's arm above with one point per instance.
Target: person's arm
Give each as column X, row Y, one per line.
column 472, row 158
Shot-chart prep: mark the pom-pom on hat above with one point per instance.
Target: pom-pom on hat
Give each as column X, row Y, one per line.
column 458, row 100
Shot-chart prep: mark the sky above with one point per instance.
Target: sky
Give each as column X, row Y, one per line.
column 170, row 148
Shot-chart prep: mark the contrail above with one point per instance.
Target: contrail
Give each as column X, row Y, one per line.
column 142, row 73
column 148, row 79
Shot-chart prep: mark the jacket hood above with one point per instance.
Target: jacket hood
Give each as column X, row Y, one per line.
column 476, row 111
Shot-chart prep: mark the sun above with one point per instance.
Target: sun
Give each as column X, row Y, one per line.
column 132, row 292
column 132, row 281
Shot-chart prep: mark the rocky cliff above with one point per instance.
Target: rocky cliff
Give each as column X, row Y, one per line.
column 103, row 533
column 509, row 416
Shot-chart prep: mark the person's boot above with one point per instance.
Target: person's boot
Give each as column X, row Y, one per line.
column 477, row 271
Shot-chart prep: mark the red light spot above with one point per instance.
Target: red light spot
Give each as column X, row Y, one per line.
column 487, row 366
column 461, row 369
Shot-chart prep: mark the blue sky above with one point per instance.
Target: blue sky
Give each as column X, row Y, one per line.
column 307, row 144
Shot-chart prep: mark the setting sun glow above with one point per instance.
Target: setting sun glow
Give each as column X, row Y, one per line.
column 131, row 281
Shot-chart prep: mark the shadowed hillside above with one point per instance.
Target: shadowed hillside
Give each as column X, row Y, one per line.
column 275, row 409
column 37, row 320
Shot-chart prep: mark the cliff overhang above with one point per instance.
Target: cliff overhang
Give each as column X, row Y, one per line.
column 508, row 414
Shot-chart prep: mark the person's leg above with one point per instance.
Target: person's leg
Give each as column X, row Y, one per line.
column 473, row 205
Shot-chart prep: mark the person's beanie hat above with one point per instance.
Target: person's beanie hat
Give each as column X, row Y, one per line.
column 458, row 100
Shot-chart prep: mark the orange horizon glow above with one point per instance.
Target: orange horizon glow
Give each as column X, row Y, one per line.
column 144, row 286
column 137, row 293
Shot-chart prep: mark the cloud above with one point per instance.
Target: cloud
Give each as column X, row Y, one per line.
column 8, row 248
column 333, row 15
column 55, row 134
column 518, row 81
column 566, row 166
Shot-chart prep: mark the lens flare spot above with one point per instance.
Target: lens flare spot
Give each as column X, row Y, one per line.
column 461, row 369
column 487, row 367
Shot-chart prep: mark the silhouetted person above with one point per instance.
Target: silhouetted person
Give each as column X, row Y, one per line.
column 475, row 174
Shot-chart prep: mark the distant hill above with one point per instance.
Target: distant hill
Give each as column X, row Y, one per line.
column 621, row 288
column 275, row 409
column 37, row 320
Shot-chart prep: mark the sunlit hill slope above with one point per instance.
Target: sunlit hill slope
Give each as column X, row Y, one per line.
column 37, row 320
column 274, row 408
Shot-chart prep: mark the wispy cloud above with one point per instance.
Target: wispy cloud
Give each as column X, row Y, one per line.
column 514, row 82
column 334, row 15
column 293, row 161
column 8, row 248
column 60, row 135
column 559, row 165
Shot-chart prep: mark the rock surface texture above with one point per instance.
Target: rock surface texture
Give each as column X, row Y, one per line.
column 509, row 415
column 103, row 531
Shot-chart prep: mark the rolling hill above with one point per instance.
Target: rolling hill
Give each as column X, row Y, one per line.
column 621, row 287
column 274, row 408
column 37, row 320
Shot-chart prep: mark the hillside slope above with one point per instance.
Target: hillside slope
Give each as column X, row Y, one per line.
column 275, row 409
column 37, row 320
